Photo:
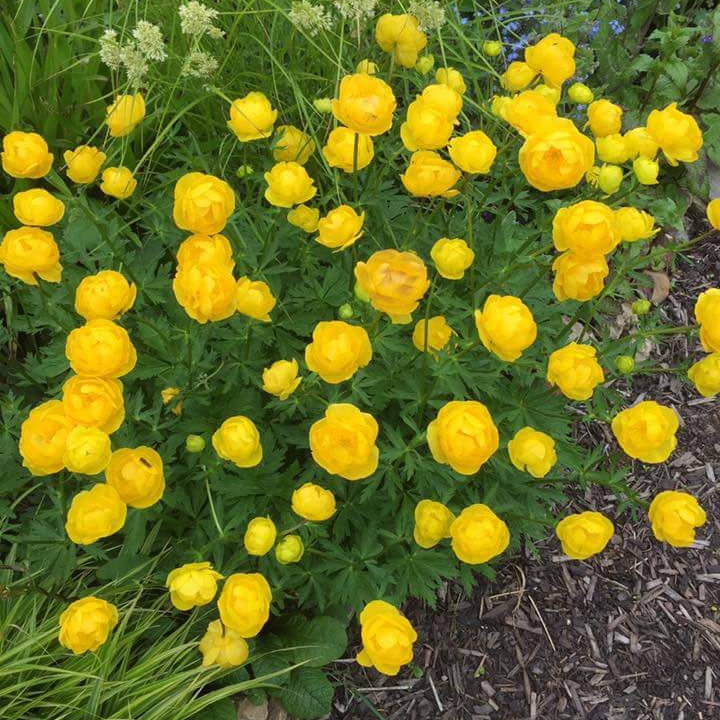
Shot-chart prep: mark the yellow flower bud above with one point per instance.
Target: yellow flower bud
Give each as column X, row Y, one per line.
column 94, row 514
column 452, row 78
column 125, row 114
column 86, row 624
column 425, row 64
column 532, row 451
column 604, row 118
column 137, row 475
column 492, row 48
column 192, row 585
column 289, row 550
column 340, row 228
column 585, row 534
column 646, row 431
column 517, row 76
column 304, row 217
column 641, row 143
column 506, row 326
column 260, row 536
column 244, row 603
column 646, row 170
column 610, row 178
column 366, row 66
column 452, row 257
column 438, row 335
column 314, row 503
column 478, row 535
column 674, row 515
column 26, row 155
column 432, row 523
column 195, row 443
column 387, row 638
column 255, row 299
column 87, row 450
column 323, row 105
column 38, row 207
column 105, row 295
column 613, row 149
column 118, row 182
column 281, row 378
column 625, row 364
column 713, row 213
column 580, row 94
column 238, row 440
column 575, row 370
column 83, row 163
column 223, row 646
column 252, row 117
column 499, row 105
column 641, row 307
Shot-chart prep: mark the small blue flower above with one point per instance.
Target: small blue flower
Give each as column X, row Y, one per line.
column 707, row 39
column 594, row 29
column 616, row 26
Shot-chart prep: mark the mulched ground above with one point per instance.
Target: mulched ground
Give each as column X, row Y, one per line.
column 633, row 634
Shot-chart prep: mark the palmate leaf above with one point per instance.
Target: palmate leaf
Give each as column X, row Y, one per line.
column 307, row 694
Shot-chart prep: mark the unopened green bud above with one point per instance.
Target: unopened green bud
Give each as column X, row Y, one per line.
column 641, row 307
column 194, row 443
column 244, row 171
column 360, row 294
column 425, row 64
column 625, row 364
column 492, row 48
column 323, row 105
column 289, row 550
column 345, row 312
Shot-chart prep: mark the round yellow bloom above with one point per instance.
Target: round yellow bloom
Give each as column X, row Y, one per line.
column 580, row 94
column 281, row 378
column 252, row 117
column 463, row 435
column 118, row 182
column 137, row 475
column 613, row 149
column 586, row 228
column 125, row 114
column 527, row 110
column 223, row 647
column 553, row 56
column 452, row 257
column 38, row 207
column 289, row 550
column 395, row 281
column 506, row 326
column 293, row 144
column 94, row 514
column 313, row 503
column 532, row 451
column 206, row 250
column 640, row 143
column 205, row 291
column 707, row 315
column 610, row 178
column 585, row 534
column 575, row 370
column 452, row 78
column 337, row 351
column 426, row 128
column 86, row 624
column 674, row 515
column 438, row 336
column 556, row 156
column 713, row 213
column 259, row 536
column 429, row 175
column 646, row 170
column 87, row 450
column 478, row 535
column 288, row 184
column 30, row 251
column 579, row 277
column 203, row 203
column 365, row 104
column 401, row 35
column 26, row 155
column 94, row 402
column 646, row 431
column 83, row 163
column 340, row 150
column 238, row 440
column 43, row 436
column 676, row 133
column 366, row 66
column 517, row 76
column 255, row 299
column 244, row 603
column 705, row 375
column 387, row 638
column 340, row 228
column 105, row 295
column 604, row 118
column 432, row 523
column 343, row 442
column 443, row 99
column 304, row 217
column 492, row 48
column 634, row 224
column 192, row 585
column 474, row 152
column 100, row 348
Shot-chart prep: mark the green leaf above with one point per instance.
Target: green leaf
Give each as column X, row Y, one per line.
column 221, row 710
column 308, row 694
column 323, row 640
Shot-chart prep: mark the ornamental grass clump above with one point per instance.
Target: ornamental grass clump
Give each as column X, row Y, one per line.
column 317, row 355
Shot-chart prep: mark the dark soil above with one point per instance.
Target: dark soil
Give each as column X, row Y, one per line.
column 632, row 634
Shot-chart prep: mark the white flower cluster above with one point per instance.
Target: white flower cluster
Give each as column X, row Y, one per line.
column 430, row 15
column 309, row 18
column 134, row 55
column 149, row 40
column 356, row 10
column 199, row 64
column 196, row 19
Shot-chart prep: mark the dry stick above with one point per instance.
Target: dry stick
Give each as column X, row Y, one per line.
column 542, row 622
column 435, row 692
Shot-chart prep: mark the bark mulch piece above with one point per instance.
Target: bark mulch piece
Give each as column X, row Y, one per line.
column 632, row 634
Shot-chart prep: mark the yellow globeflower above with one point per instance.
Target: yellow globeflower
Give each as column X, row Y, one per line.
column 192, row 585
column 26, row 155
column 238, row 440
column 38, row 207
column 365, row 104
column 527, row 110
column 517, row 76
column 432, row 523
column 707, row 315
column 400, row 35
column 252, row 117
column 223, row 646
column 478, row 535
column 348, row 150
column 43, row 437
column 94, row 402
column 474, row 152
column 206, row 291
column 84, row 163
column 203, row 203
column 340, row 228
column 293, row 144
column 634, row 224
column 587, row 228
column 337, row 351
column 584, row 534
column 125, row 114
column 281, row 378
column 575, row 370
column 452, row 257
column 314, row 503
column 438, row 334
column 646, row 431
column 579, row 277
column 289, row 550
column 532, row 451
column 288, row 184
column 604, row 118
column 118, row 182
column 676, row 133
column 705, row 375
column 674, row 515
column 429, row 175
column 86, row 624
column 304, row 217
column 553, row 56
column 259, row 536
column 100, row 348
column 506, row 326
column 255, row 299
column 426, row 128
column 87, row 450
column 452, row 78
column 30, row 251
column 94, row 514
column 105, row 295
column 244, row 603
column 137, row 475
column 387, row 638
